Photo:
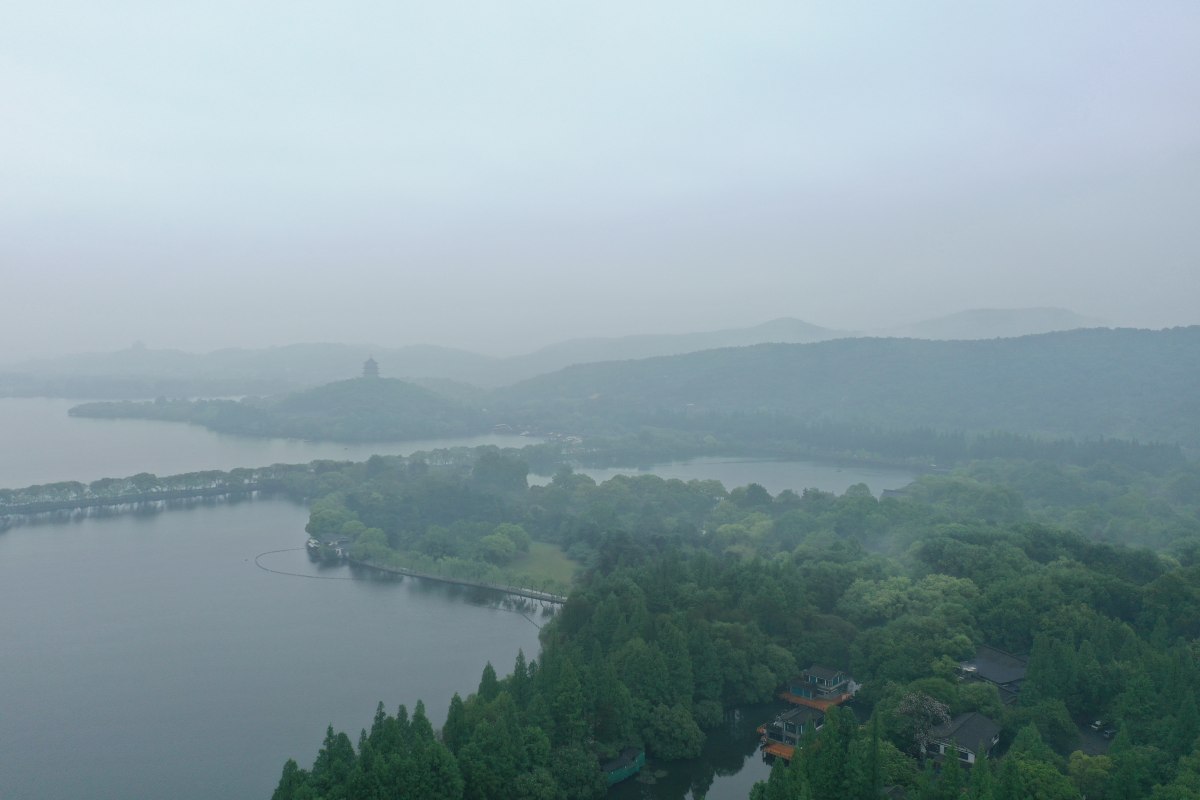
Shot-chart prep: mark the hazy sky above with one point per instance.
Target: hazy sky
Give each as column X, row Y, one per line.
column 500, row 175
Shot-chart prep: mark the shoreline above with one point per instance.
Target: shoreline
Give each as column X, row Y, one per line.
column 529, row 594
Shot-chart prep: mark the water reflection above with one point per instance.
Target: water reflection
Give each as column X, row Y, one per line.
column 287, row 563
column 727, row 768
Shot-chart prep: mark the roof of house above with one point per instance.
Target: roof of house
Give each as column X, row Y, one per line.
column 818, row 671
column 801, row 714
column 973, row 731
column 997, row 666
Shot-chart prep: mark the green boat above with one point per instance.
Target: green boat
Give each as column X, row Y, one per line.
column 627, row 764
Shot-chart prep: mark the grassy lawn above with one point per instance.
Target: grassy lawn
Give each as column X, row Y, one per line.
column 545, row 561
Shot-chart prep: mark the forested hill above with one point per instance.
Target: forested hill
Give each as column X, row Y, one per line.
column 1116, row 383
column 363, row 409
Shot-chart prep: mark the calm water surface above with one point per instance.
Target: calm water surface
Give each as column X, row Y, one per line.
column 148, row 657
column 728, row 767
column 39, row 443
column 772, row 475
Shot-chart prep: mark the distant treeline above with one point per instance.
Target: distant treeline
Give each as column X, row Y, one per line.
column 299, row 481
column 768, row 434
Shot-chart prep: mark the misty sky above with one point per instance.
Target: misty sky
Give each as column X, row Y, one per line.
column 501, row 175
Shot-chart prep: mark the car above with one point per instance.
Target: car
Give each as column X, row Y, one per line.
column 1098, row 724
column 1109, row 733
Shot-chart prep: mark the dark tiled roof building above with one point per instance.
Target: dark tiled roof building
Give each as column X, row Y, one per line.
column 968, row 735
column 1004, row 670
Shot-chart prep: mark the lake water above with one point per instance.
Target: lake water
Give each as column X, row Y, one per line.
column 728, row 766
column 772, row 475
column 149, row 657
column 39, row 443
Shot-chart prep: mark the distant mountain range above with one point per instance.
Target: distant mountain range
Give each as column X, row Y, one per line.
column 995, row 323
column 143, row 372
column 625, row 348
column 1121, row 383
column 1084, row 384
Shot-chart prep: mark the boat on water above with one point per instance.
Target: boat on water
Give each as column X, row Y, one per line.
column 627, row 764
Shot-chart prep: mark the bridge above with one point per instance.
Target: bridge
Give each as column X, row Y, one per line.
column 519, row 591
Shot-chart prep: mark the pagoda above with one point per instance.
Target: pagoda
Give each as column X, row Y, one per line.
column 370, row 368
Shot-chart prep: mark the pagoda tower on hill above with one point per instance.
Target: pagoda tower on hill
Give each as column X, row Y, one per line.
column 370, row 368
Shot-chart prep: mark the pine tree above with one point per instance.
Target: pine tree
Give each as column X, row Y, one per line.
column 291, row 782
column 1185, row 726
column 334, row 762
column 1042, row 677
column 1128, row 778
column 952, row 780
column 864, row 770
column 1030, row 746
column 982, row 786
column 454, row 732
column 875, row 763
column 827, row 760
column 566, row 703
column 927, row 788
column 1008, row 787
column 673, row 644
column 489, row 686
column 518, row 683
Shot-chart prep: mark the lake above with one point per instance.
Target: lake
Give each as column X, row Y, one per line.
column 148, row 656
column 39, row 443
column 774, row 475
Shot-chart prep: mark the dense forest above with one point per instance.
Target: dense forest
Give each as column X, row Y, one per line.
column 692, row 600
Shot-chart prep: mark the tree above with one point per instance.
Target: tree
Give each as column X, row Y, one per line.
column 293, row 784
column 952, row 781
column 826, row 760
column 334, row 762
column 455, row 733
column 671, row 733
column 564, row 693
column 919, row 714
column 577, row 774
column 515, row 534
column 497, row 548
column 982, row 785
column 489, row 686
column 1029, row 746
column 1090, row 774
